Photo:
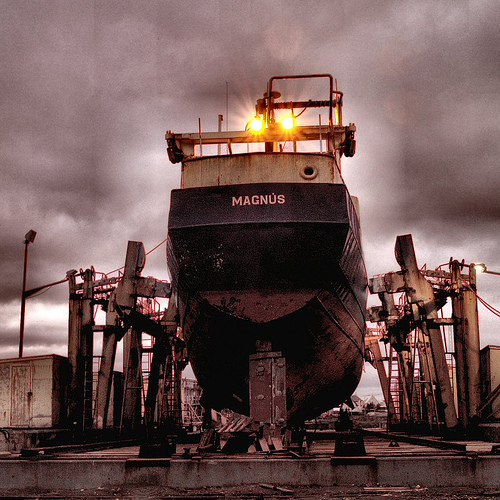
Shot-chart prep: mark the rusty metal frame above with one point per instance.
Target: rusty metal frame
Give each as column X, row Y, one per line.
column 120, row 297
column 421, row 312
column 340, row 139
column 271, row 105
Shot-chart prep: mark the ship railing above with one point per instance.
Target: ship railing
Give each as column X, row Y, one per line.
column 185, row 145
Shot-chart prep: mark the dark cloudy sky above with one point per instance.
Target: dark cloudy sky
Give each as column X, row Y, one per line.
column 88, row 89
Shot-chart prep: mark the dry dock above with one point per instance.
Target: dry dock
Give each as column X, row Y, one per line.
column 390, row 469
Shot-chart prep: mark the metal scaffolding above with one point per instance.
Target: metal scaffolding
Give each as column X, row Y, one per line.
column 154, row 354
column 430, row 379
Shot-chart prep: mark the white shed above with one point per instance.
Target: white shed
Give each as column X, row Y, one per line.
column 32, row 391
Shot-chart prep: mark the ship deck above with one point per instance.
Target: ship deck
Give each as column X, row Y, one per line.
column 410, row 470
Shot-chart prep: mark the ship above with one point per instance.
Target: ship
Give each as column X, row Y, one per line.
column 264, row 245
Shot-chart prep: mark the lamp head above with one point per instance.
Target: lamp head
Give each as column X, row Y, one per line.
column 480, row 268
column 257, row 124
column 288, row 122
column 30, row 236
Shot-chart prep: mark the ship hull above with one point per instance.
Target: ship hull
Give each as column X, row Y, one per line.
column 279, row 262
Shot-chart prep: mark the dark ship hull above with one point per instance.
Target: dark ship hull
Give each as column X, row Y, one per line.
column 278, row 262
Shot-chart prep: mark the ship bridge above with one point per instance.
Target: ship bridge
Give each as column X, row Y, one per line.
column 275, row 123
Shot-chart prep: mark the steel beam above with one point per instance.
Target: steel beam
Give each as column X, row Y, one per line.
column 132, row 390
column 428, row 374
column 472, row 346
column 459, row 338
column 74, row 352
column 120, row 316
column 406, row 369
column 81, row 351
column 467, row 347
column 88, row 346
column 105, row 377
column 372, row 343
column 389, row 283
column 162, row 351
column 161, row 368
column 420, row 293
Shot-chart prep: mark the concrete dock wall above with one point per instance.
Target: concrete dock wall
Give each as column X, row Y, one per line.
column 447, row 471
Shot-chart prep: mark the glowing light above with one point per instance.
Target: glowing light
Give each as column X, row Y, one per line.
column 288, row 122
column 257, row 124
column 480, row 268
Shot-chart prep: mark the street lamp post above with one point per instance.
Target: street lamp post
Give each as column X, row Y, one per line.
column 28, row 238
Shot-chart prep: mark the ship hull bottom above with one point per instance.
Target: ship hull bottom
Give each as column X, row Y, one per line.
column 275, row 262
column 322, row 344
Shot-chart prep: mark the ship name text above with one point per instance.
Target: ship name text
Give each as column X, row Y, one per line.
column 259, row 199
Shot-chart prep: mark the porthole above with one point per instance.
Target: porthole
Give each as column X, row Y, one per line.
column 309, row 172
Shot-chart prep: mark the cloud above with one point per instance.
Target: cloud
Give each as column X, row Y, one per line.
column 46, row 325
column 89, row 88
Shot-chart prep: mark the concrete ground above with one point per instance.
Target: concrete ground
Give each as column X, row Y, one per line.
column 257, row 492
column 404, row 471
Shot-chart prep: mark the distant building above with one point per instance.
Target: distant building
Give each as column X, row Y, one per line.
column 371, row 403
column 357, row 407
column 357, row 404
column 370, row 400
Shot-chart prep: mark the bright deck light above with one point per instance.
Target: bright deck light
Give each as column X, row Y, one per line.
column 288, row 122
column 257, row 124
